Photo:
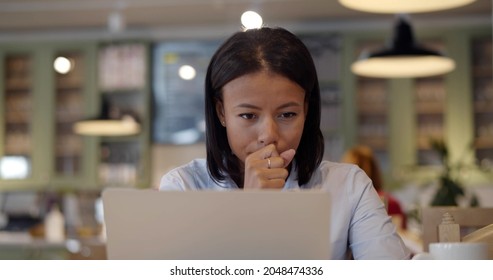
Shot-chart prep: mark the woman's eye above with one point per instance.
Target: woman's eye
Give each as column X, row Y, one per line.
column 287, row 115
column 247, row 116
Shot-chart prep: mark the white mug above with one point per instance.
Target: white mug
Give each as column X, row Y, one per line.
column 455, row 251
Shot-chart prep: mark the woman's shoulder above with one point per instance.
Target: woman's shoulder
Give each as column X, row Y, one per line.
column 193, row 168
column 331, row 167
column 332, row 174
column 184, row 176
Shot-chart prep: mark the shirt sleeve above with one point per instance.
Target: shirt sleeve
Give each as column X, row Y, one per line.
column 372, row 235
column 189, row 177
column 172, row 181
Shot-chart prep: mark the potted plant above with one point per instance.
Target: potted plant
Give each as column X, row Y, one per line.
column 449, row 187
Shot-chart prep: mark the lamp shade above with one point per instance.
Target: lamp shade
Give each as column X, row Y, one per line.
column 107, row 124
column 403, row 6
column 403, row 59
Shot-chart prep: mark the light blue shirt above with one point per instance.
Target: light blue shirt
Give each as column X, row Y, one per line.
column 359, row 218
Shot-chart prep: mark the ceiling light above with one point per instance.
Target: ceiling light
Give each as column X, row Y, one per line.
column 14, row 167
column 251, row 20
column 403, row 6
column 62, row 65
column 105, row 127
column 187, row 72
column 404, row 58
column 116, row 22
column 108, row 125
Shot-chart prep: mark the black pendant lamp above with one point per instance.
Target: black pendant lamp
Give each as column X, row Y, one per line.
column 404, row 58
column 110, row 122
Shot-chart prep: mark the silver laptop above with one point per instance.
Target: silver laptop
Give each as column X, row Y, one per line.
column 232, row 225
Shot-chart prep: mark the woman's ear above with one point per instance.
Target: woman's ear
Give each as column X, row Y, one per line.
column 220, row 112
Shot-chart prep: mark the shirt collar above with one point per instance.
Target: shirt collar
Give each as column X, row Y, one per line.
column 292, row 181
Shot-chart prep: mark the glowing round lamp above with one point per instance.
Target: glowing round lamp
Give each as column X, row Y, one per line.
column 403, row 6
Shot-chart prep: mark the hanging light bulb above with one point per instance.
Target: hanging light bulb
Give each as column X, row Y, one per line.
column 63, row 65
column 404, row 58
column 187, row 72
column 251, row 20
column 400, row 6
column 116, row 22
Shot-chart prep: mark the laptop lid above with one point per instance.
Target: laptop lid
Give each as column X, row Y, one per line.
column 150, row 224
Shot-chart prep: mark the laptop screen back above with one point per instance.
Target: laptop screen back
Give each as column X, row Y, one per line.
column 149, row 224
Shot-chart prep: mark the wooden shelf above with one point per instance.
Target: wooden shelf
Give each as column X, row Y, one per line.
column 18, row 106
column 68, row 88
column 18, row 89
column 482, row 71
column 124, row 85
column 372, row 105
column 367, row 108
column 423, row 142
column 483, row 104
column 17, row 116
column 377, row 142
column 430, row 107
column 18, row 150
column 430, row 114
column 484, row 143
column 483, row 107
column 66, row 153
column 122, row 67
column 69, row 109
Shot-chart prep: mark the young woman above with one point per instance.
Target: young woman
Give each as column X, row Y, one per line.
column 263, row 131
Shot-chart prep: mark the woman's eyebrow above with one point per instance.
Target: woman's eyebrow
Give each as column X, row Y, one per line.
column 289, row 104
column 246, row 105
column 285, row 105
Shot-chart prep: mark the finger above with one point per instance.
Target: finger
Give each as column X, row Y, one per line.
column 273, row 162
column 273, row 184
column 287, row 156
column 258, row 158
column 268, row 151
column 278, row 173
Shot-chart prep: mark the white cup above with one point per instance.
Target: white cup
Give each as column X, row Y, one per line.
column 455, row 251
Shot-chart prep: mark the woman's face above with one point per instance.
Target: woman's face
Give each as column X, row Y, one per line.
column 260, row 109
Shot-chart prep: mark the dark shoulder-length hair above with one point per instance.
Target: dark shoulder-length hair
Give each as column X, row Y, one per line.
column 275, row 50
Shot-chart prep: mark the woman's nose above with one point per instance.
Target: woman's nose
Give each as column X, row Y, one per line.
column 268, row 132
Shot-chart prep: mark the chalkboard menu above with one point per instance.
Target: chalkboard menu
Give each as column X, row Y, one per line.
column 179, row 70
